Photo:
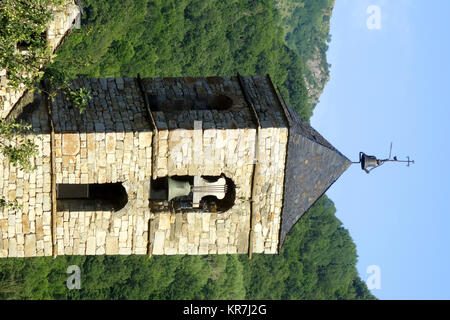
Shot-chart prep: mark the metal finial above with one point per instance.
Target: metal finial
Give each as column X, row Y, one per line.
column 372, row 162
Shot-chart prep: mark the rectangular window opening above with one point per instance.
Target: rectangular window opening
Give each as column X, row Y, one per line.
column 91, row 197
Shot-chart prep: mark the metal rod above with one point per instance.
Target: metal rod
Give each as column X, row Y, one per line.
column 388, row 160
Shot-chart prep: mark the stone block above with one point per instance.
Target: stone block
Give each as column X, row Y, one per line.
column 125, row 251
column 164, row 221
column 12, row 248
column 90, row 245
column 231, row 249
column 204, row 246
column 192, row 248
column 91, row 143
column 30, row 245
column 182, row 245
column 70, row 144
column 48, row 248
column 110, row 158
column 205, row 221
column 25, row 224
column 110, row 142
column 4, row 226
column 84, row 178
column 123, row 236
column 222, row 249
column 158, row 243
column 145, row 139
column 100, row 237
column 170, row 251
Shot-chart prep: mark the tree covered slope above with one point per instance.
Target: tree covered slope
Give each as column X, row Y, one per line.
column 306, row 25
column 317, row 262
column 184, row 38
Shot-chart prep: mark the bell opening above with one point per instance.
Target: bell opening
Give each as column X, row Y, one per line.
column 189, row 193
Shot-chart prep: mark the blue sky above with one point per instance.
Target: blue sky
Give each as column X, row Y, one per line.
column 392, row 84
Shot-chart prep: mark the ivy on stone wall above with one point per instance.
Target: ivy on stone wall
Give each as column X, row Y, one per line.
column 23, row 43
column 15, row 145
column 18, row 149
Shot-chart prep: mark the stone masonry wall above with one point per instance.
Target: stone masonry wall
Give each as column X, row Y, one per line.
column 268, row 192
column 26, row 232
column 222, row 143
column 213, row 233
column 101, row 232
column 110, row 142
column 269, row 175
column 62, row 22
column 182, row 148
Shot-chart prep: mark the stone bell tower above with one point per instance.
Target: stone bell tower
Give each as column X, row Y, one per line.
column 215, row 165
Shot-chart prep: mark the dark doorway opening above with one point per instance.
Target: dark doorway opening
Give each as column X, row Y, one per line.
column 87, row 197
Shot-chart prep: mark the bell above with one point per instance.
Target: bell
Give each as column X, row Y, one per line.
column 367, row 161
column 178, row 188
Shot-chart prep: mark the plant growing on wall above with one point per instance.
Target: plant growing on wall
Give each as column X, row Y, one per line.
column 15, row 145
column 18, row 149
column 79, row 98
column 10, row 204
column 57, row 80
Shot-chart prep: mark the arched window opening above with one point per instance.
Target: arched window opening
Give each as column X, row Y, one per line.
column 192, row 194
column 91, row 197
column 218, row 101
column 227, row 202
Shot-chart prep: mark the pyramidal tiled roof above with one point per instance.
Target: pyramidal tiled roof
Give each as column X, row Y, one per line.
column 312, row 166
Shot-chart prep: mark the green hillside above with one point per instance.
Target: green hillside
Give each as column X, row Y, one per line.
column 317, row 262
column 195, row 38
column 306, row 26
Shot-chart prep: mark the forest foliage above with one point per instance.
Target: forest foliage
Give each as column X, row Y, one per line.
column 317, row 262
column 184, row 38
column 157, row 38
column 306, row 26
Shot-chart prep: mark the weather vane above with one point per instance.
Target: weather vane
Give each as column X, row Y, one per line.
column 372, row 162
